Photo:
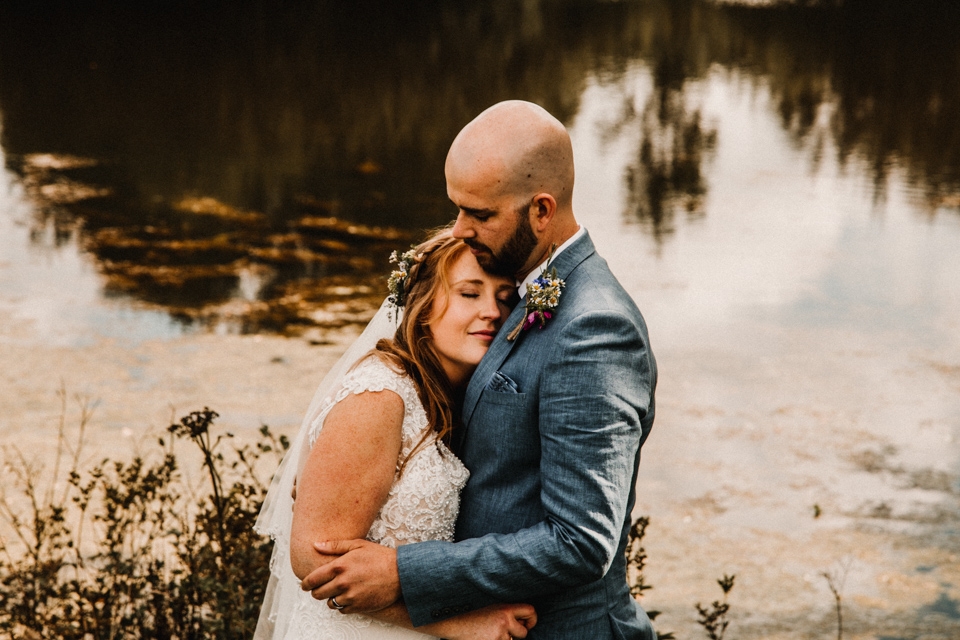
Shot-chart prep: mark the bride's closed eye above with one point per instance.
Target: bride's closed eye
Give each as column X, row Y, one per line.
column 507, row 296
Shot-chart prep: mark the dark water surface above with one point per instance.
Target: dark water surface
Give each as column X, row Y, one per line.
column 198, row 153
column 778, row 186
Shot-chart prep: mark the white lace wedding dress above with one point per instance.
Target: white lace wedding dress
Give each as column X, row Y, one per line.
column 422, row 505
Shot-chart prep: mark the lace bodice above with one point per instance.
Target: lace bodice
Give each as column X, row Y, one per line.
column 422, row 504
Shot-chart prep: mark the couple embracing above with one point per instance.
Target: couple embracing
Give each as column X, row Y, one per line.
column 467, row 469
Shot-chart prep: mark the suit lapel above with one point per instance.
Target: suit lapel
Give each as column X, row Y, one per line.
column 565, row 263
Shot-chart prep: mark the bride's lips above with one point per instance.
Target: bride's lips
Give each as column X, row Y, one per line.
column 484, row 335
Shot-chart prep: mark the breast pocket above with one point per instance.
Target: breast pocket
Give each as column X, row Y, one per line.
column 506, row 399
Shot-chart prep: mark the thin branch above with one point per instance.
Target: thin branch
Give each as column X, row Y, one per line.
column 61, row 440
column 835, row 580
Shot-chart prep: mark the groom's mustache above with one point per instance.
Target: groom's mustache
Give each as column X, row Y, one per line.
column 477, row 246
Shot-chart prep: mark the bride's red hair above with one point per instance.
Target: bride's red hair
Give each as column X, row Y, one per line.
column 412, row 348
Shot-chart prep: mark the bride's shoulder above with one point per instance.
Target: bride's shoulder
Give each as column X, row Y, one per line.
column 375, row 373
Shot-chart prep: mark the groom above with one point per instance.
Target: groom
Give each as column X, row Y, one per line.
column 553, row 420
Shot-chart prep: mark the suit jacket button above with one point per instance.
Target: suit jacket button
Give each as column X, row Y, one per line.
column 435, row 614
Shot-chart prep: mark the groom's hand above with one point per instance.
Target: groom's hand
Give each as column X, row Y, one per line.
column 363, row 578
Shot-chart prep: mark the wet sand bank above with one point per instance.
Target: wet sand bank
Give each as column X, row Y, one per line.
column 137, row 387
column 730, row 477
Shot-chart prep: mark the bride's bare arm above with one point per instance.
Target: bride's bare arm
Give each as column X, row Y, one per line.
column 347, row 476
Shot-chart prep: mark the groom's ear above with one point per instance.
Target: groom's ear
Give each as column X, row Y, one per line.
column 545, row 206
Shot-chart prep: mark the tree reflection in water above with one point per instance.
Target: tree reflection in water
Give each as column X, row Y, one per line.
column 880, row 71
column 197, row 148
column 269, row 122
column 666, row 176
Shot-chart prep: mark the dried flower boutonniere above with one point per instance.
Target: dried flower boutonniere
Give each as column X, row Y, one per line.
column 542, row 299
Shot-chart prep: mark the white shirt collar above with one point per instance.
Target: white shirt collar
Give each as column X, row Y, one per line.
column 533, row 275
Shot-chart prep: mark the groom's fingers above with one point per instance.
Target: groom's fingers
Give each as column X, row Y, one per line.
column 338, row 547
column 328, row 571
column 525, row 617
column 329, row 588
column 364, row 573
column 318, row 578
column 528, row 620
column 517, row 630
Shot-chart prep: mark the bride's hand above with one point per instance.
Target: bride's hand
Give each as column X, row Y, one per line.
column 496, row 622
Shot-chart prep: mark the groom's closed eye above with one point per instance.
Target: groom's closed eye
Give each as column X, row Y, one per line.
column 477, row 214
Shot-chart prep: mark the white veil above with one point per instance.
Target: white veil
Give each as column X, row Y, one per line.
column 276, row 515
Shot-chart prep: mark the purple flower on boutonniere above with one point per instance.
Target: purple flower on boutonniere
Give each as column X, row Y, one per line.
column 542, row 299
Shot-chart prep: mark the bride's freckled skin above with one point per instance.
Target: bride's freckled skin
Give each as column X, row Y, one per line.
column 467, row 317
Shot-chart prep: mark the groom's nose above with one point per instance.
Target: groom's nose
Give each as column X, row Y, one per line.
column 462, row 227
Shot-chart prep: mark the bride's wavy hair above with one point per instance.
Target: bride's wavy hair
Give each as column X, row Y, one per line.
column 412, row 347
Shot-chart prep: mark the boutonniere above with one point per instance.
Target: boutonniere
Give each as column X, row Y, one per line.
column 542, row 299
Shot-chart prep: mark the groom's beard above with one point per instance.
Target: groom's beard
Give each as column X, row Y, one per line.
column 512, row 255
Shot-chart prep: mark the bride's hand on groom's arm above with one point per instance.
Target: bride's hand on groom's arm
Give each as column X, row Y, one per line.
column 495, row 622
column 363, row 575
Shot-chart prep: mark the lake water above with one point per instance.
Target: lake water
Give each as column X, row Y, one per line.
column 196, row 207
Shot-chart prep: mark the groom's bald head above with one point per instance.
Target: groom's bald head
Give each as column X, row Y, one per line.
column 510, row 173
column 519, row 146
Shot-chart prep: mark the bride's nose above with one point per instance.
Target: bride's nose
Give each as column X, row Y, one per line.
column 490, row 309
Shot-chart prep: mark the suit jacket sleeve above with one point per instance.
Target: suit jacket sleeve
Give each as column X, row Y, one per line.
column 596, row 404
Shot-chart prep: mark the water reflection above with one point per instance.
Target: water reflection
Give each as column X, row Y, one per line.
column 666, row 175
column 213, row 153
column 205, row 261
column 872, row 75
column 258, row 163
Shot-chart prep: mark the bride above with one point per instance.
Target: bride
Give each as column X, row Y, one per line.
column 372, row 458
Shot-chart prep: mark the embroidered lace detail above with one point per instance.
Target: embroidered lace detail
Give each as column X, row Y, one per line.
column 422, row 504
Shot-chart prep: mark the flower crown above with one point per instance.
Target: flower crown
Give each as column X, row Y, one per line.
column 397, row 283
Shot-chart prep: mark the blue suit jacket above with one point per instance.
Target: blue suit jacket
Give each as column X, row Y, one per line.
column 545, row 515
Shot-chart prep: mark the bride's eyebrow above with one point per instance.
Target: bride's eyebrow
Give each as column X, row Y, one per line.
column 478, row 283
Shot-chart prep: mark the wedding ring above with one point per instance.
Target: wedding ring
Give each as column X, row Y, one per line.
column 336, row 605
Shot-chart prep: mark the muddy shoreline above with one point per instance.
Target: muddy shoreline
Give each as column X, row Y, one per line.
column 708, row 517
column 138, row 386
